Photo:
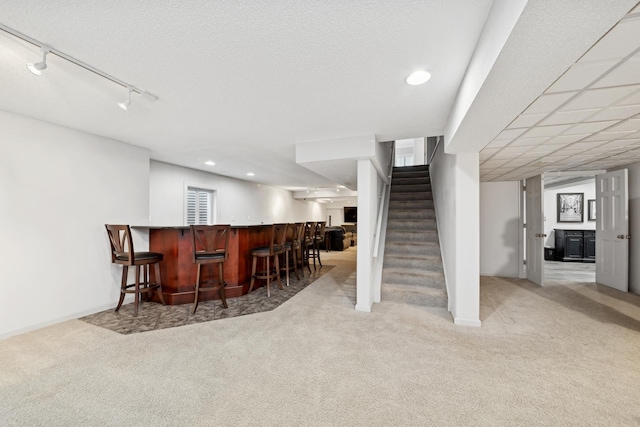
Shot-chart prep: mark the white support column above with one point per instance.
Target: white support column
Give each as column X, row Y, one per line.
column 467, row 240
column 367, row 215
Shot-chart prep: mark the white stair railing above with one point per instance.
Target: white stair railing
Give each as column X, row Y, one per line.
column 381, row 205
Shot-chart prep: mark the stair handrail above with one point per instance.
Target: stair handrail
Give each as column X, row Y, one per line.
column 376, row 236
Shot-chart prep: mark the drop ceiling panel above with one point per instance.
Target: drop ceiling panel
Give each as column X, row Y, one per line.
column 633, row 99
column 581, row 75
column 615, row 113
column 565, row 139
column 548, row 103
column 628, row 125
column 528, row 141
column 598, row 98
column 510, row 134
column 546, row 131
column 625, row 74
column 618, row 43
column 499, row 143
column 568, row 117
column 526, row 121
column 592, row 127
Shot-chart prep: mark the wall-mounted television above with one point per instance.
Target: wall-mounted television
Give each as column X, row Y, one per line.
column 350, row 214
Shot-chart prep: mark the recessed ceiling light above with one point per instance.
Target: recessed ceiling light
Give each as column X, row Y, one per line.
column 418, row 77
column 210, row 163
column 250, row 174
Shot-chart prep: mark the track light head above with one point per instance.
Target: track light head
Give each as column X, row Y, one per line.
column 38, row 67
column 125, row 105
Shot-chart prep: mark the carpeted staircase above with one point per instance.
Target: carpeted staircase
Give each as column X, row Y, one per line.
column 412, row 271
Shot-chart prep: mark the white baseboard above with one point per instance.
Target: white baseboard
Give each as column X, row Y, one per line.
column 467, row 322
column 55, row 321
column 365, row 308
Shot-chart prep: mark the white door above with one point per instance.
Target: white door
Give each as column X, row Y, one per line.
column 612, row 230
column 535, row 229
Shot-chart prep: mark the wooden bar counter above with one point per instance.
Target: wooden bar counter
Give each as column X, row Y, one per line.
column 179, row 272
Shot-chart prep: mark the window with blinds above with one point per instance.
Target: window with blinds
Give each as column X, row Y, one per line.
column 199, row 206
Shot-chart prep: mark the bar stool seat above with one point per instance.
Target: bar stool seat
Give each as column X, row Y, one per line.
column 267, row 253
column 122, row 253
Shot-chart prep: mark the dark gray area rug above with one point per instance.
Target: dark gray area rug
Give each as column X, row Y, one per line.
column 153, row 316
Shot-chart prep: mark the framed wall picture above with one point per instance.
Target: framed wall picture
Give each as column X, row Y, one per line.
column 570, row 207
column 591, row 210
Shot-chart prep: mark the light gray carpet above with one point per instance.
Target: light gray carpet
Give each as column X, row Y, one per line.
column 559, row 355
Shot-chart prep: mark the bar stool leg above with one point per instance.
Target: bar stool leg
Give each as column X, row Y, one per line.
column 294, row 255
column 223, row 297
column 137, row 295
column 145, row 283
column 159, row 283
column 308, row 258
column 123, row 285
column 278, row 271
column 197, row 288
column 286, row 265
column 318, row 252
column 253, row 273
column 269, row 277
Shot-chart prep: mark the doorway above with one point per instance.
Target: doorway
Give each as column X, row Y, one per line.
column 569, row 225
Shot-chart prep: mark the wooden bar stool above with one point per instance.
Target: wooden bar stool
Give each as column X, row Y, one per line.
column 266, row 253
column 210, row 243
column 317, row 239
column 291, row 246
column 299, row 246
column 122, row 253
column 307, row 244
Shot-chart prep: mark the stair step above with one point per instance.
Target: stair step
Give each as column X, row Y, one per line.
column 413, row 261
column 432, row 298
column 417, row 248
column 410, row 188
column 411, row 214
column 421, row 195
column 410, row 277
column 410, row 204
column 410, row 181
column 411, row 236
column 411, row 224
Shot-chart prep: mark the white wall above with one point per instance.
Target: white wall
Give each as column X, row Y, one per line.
column 419, row 151
column 499, row 228
column 588, row 187
column 238, row 202
column 456, row 192
column 58, row 187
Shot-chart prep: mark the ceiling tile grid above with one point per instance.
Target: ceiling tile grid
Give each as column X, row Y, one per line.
column 589, row 119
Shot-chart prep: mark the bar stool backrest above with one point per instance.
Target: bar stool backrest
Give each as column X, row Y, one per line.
column 319, row 232
column 210, row 241
column 121, row 244
column 278, row 238
column 299, row 232
column 309, row 232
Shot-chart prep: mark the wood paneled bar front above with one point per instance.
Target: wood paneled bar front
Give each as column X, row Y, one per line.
column 178, row 270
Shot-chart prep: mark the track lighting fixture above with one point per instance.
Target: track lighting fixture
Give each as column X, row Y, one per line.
column 38, row 67
column 125, row 105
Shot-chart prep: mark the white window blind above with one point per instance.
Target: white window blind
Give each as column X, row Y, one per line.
column 199, row 206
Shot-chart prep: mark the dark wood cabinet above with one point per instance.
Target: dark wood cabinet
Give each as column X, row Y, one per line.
column 589, row 246
column 575, row 245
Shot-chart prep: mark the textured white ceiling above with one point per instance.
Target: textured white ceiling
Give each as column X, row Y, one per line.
column 588, row 119
column 241, row 82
